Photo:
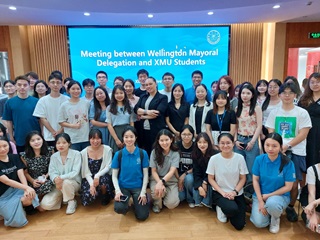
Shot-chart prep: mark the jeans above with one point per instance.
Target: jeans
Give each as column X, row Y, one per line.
column 274, row 206
column 141, row 211
column 249, row 156
column 187, row 192
column 79, row 146
column 199, row 199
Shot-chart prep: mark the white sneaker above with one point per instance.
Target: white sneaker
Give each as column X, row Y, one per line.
column 220, row 215
column 198, row 205
column 191, row 205
column 274, row 225
column 72, row 206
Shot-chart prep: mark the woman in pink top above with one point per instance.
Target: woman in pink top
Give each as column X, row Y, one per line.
column 249, row 125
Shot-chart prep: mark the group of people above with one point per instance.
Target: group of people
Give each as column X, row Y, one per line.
column 200, row 147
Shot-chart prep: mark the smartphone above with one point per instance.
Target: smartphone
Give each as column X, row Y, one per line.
column 123, row 198
column 244, row 145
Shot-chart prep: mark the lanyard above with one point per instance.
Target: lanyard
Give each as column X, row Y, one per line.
column 220, row 121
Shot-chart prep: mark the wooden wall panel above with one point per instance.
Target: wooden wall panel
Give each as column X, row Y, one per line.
column 5, row 46
column 246, row 52
column 49, row 50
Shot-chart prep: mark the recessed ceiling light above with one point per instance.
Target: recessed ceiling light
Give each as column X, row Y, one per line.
column 12, row 8
column 150, row 15
column 276, row 6
column 86, row 14
column 210, row 13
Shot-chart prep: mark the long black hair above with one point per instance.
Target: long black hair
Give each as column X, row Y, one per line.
column 267, row 100
column 96, row 103
column 284, row 159
column 195, row 101
column 158, row 150
column 113, row 103
column 29, row 150
column 253, row 100
column 6, row 137
column 183, row 99
column 197, row 155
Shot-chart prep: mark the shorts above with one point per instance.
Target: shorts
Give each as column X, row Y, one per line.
column 299, row 165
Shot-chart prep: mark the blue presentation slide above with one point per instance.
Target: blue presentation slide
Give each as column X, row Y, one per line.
column 122, row 51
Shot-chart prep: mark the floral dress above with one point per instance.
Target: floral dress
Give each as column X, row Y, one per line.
column 105, row 180
column 38, row 166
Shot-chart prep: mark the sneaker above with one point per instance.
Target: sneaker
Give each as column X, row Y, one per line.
column 105, row 199
column 274, row 225
column 208, row 206
column 191, row 205
column 198, row 205
column 155, row 209
column 220, row 215
column 72, row 206
column 292, row 216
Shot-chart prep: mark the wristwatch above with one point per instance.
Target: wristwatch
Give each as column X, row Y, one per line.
column 236, row 191
column 163, row 181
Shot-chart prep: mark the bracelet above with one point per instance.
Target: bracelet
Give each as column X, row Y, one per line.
column 186, row 172
column 236, row 191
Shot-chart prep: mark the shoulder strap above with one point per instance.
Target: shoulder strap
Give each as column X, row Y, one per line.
column 119, row 160
column 141, row 158
column 315, row 172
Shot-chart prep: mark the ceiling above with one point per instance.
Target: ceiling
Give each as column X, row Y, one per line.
column 165, row 12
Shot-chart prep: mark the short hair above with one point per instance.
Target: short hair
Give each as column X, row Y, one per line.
column 55, row 76
column 142, row 71
column 32, row 74
column 197, row 72
column 57, row 72
column 88, row 81
column 22, row 77
column 94, row 132
column 288, row 85
column 103, row 72
column 8, row 81
column 168, row 74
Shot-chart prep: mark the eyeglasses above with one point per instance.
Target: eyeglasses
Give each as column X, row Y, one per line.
column 186, row 135
column 101, row 77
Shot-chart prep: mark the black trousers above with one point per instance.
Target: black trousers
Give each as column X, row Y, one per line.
column 235, row 209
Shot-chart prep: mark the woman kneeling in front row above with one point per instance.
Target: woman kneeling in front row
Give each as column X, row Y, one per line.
column 14, row 190
column 227, row 176
column 273, row 177
column 130, row 176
